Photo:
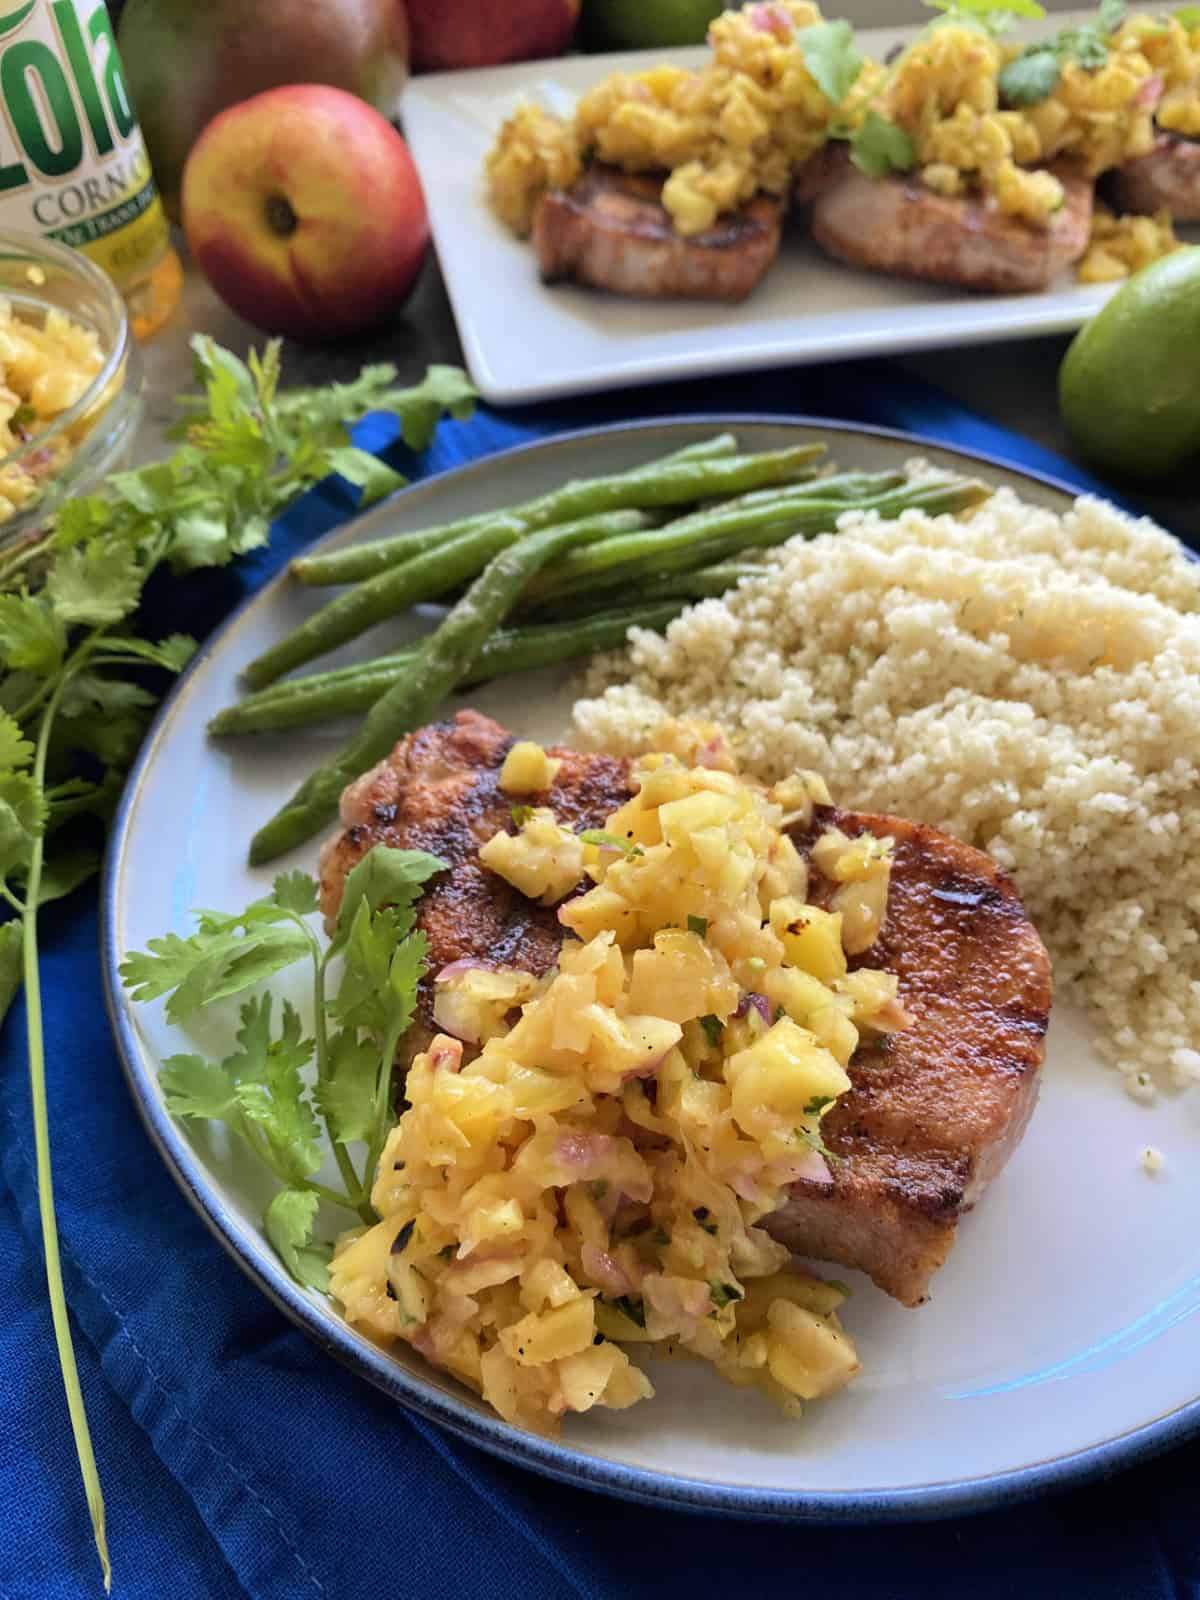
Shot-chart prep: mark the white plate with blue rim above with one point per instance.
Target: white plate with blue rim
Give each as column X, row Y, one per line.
column 1059, row 1341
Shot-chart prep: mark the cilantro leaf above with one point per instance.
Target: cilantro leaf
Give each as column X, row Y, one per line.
column 95, row 584
column 879, row 147
column 295, row 891
column 22, row 817
column 194, row 1087
column 15, row 748
column 407, row 966
column 366, row 472
column 378, row 987
column 271, row 1093
column 520, row 814
column 1034, row 74
column 1187, row 16
column 386, row 876
column 818, row 1104
column 713, row 1029
column 174, row 652
column 346, row 1098
column 831, row 57
column 211, row 964
column 631, row 1306
column 11, row 955
column 1028, row 79
column 724, row 1294
column 288, row 1225
column 698, row 925
column 64, row 872
column 32, row 636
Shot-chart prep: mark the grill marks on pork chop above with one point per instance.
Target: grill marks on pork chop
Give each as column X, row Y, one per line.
column 935, row 1110
column 611, row 231
column 439, row 791
column 932, row 1115
column 898, row 226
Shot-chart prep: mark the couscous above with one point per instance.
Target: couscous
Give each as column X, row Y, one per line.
column 1025, row 680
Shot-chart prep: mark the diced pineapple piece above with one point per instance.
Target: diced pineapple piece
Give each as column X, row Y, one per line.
column 661, row 780
column 474, row 1004
column 499, row 1381
column 600, row 910
column 585, row 1377
column 681, row 978
column 797, row 795
column 543, row 861
column 358, row 1276
column 627, row 1385
column 696, row 743
column 528, row 769
column 812, row 938
column 847, row 860
column 786, row 874
column 547, row 1283
column 679, row 819
column 625, row 1045
column 503, row 1219
column 814, row 1006
column 801, row 1288
column 551, row 1335
column 776, row 1078
column 807, row 1353
column 636, row 823
column 862, row 905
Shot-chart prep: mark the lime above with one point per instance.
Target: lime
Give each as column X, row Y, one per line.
column 1128, row 388
column 646, row 24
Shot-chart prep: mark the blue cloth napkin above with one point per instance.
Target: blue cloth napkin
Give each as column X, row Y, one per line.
column 238, row 1460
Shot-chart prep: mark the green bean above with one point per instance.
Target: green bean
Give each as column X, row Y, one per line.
column 700, row 583
column 344, row 691
column 736, row 522
column 665, row 482
column 377, row 555
column 726, row 531
column 443, row 660
column 425, row 577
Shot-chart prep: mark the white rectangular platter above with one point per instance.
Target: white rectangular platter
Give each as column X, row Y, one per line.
column 524, row 341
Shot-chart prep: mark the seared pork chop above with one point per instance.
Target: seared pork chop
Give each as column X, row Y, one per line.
column 936, row 1109
column 933, row 1113
column 1169, row 176
column 898, row 226
column 439, row 791
column 610, row 230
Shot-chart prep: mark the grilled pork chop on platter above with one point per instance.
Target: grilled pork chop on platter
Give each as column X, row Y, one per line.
column 610, row 230
column 1165, row 178
column 934, row 1110
column 898, row 226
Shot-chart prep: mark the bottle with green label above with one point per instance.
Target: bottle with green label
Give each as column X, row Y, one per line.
column 72, row 162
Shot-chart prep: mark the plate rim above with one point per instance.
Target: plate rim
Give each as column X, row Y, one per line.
column 930, row 1501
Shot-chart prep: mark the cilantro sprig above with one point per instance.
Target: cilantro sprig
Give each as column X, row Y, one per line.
column 76, row 694
column 1034, row 74
column 264, row 1091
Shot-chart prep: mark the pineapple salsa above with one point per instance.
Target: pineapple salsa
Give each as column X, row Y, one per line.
column 596, row 1177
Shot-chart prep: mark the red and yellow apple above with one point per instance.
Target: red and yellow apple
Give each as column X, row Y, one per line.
column 186, row 60
column 480, row 33
column 304, row 211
